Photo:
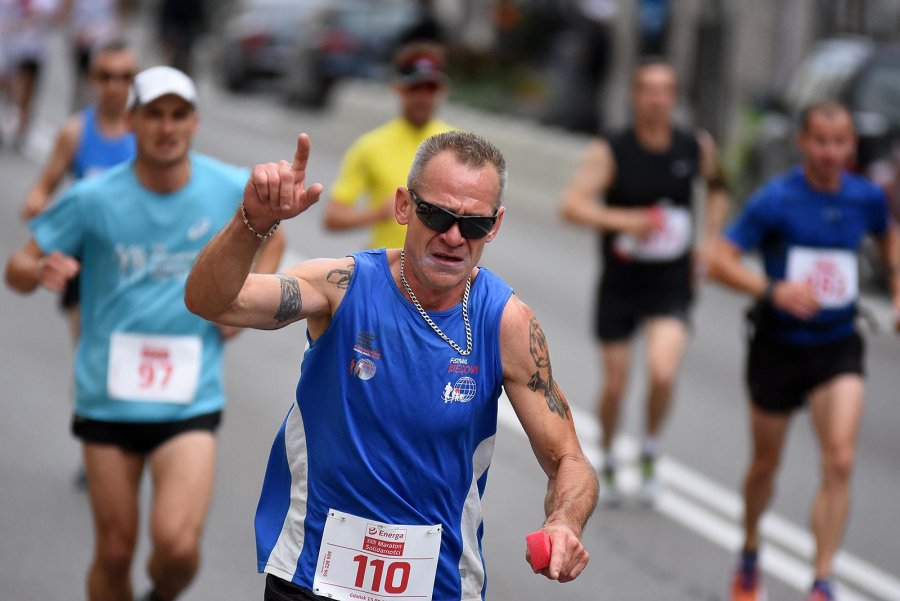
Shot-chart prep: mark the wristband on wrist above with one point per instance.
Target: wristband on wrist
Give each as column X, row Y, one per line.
column 768, row 292
column 253, row 231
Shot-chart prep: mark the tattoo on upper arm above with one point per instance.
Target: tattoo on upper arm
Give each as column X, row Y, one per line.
column 341, row 277
column 291, row 303
column 556, row 402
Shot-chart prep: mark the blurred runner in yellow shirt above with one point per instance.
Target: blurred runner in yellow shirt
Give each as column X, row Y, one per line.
column 377, row 163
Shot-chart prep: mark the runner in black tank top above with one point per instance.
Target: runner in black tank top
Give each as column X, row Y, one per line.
column 643, row 179
column 636, row 190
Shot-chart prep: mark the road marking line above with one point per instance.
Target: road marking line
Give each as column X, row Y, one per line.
column 714, row 512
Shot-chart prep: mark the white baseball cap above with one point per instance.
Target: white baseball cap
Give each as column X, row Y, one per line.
column 156, row 82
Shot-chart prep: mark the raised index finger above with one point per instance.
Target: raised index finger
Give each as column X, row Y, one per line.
column 301, row 155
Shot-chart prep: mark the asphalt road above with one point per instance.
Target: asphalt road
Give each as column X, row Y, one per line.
column 681, row 550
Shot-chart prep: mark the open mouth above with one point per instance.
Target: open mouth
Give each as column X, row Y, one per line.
column 447, row 258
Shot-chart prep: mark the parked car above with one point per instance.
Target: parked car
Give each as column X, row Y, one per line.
column 347, row 38
column 862, row 74
column 258, row 38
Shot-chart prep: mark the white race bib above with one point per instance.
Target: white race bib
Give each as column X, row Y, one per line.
column 363, row 560
column 667, row 243
column 833, row 274
column 144, row 367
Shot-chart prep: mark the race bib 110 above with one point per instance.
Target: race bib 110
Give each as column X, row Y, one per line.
column 365, row 560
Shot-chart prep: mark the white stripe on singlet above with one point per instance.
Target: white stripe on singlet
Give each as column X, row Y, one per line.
column 471, row 566
column 286, row 553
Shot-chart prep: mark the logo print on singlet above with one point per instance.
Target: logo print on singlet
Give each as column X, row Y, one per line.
column 463, row 390
column 366, row 344
column 362, row 368
column 681, row 168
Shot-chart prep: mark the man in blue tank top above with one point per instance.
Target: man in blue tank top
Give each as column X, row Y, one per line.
column 90, row 142
column 374, row 483
column 808, row 225
column 148, row 376
column 95, row 138
column 636, row 188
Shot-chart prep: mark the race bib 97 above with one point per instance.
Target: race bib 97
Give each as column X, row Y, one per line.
column 833, row 274
column 144, row 367
column 364, row 560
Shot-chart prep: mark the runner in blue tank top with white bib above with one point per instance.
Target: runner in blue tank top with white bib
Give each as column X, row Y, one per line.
column 374, row 483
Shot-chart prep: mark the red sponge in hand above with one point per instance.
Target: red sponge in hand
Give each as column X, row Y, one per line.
column 539, row 549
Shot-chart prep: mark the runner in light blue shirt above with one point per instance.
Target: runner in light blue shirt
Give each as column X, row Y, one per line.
column 148, row 372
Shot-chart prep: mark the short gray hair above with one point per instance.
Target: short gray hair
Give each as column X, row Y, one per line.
column 469, row 149
column 105, row 45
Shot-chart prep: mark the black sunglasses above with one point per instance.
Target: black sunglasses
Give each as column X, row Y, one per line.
column 471, row 227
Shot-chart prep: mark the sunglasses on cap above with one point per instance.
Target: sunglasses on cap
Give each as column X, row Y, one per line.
column 471, row 227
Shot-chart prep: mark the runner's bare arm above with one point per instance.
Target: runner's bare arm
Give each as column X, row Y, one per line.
column 545, row 415
column 269, row 257
column 581, row 200
column 61, row 158
column 220, row 287
column 717, row 198
column 726, row 267
column 340, row 216
column 29, row 268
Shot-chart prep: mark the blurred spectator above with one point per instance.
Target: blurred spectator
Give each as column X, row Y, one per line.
column 29, row 25
column 580, row 56
column 180, row 24
column 595, row 31
column 653, row 26
column 425, row 28
column 90, row 22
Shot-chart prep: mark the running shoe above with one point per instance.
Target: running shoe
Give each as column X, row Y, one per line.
column 609, row 492
column 150, row 595
column 650, row 483
column 821, row 591
column 747, row 586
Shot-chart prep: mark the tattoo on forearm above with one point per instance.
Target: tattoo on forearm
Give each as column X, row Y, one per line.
column 291, row 303
column 556, row 402
column 341, row 277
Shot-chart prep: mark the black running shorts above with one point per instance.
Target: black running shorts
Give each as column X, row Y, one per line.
column 282, row 590
column 140, row 437
column 618, row 315
column 780, row 375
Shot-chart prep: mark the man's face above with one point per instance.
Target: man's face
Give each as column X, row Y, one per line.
column 828, row 143
column 654, row 94
column 443, row 261
column 164, row 130
column 111, row 75
column 419, row 101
